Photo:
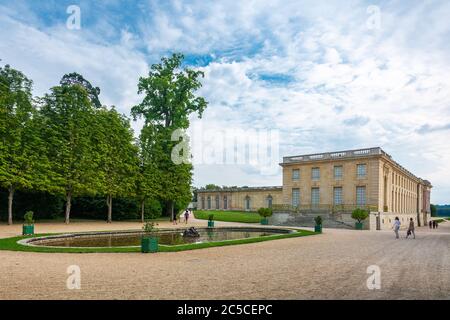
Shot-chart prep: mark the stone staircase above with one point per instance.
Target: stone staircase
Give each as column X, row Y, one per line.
column 329, row 220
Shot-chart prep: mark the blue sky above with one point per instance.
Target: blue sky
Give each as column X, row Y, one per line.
column 317, row 71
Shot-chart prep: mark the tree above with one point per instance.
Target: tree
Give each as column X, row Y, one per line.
column 75, row 78
column 433, row 210
column 148, row 182
column 212, row 186
column 169, row 100
column 19, row 144
column 360, row 214
column 119, row 162
column 68, row 114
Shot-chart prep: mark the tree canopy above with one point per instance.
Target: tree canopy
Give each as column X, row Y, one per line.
column 67, row 145
column 76, row 78
column 169, row 99
column 19, row 142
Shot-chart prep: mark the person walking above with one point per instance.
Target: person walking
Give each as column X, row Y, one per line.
column 430, row 224
column 411, row 229
column 434, row 224
column 396, row 227
column 186, row 216
column 174, row 218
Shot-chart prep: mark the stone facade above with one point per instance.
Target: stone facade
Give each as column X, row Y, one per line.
column 336, row 182
column 367, row 178
column 248, row 199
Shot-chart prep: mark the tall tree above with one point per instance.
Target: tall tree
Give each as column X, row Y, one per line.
column 19, row 150
column 148, row 181
column 76, row 78
column 118, row 153
column 169, row 99
column 69, row 115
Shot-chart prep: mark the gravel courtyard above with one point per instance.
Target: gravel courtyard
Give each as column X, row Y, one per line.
column 328, row 266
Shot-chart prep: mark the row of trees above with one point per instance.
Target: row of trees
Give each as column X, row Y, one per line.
column 67, row 143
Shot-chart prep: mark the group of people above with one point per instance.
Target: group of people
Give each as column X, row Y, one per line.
column 177, row 218
column 433, row 224
column 410, row 230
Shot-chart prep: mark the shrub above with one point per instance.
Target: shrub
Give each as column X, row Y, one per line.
column 360, row 214
column 318, row 220
column 211, row 217
column 28, row 217
column 149, row 227
column 265, row 212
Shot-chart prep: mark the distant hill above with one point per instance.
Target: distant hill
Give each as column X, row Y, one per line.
column 443, row 210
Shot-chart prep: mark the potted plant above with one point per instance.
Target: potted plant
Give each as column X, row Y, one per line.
column 149, row 241
column 265, row 213
column 28, row 225
column 211, row 221
column 318, row 226
column 359, row 215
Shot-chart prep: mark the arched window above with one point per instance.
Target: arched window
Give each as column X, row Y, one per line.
column 209, row 202
column 203, row 203
column 225, row 202
column 269, row 200
column 247, row 203
column 217, row 202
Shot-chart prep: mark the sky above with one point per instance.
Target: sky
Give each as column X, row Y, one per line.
column 321, row 75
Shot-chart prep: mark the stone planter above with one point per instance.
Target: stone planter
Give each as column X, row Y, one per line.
column 210, row 224
column 149, row 244
column 358, row 225
column 28, row 230
column 318, row 228
column 264, row 221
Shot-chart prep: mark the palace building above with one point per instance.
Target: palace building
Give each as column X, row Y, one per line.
column 334, row 183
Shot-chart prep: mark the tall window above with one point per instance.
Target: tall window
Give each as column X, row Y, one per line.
column 209, row 202
column 295, row 197
column 337, row 196
column 338, row 172
column 269, row 201
column 296, row 174
column 361, row 170
column 225, row 202
column 203, row 203
column 315, row 196
column 247, row 203
column 361, row 196
column 315, row 174
column 217, row 202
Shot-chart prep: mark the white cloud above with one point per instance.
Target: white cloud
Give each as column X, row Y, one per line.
column 336, row 84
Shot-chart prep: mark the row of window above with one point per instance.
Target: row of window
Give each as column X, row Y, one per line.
column 337, row 196
column 217, row 202
column 361, row 172
column 247, row 202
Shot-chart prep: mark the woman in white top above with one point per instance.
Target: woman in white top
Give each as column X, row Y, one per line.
column 396, row 227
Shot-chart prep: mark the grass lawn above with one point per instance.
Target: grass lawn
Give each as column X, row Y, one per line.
column 229, row 216
column 11, row 244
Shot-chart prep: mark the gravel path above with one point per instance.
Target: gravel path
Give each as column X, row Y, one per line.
column 328, row 266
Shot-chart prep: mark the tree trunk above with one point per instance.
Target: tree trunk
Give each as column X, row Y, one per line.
column 10, row 203
column 109, row 203
column 171, row 211
column 143, row 211
column 68, row 206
